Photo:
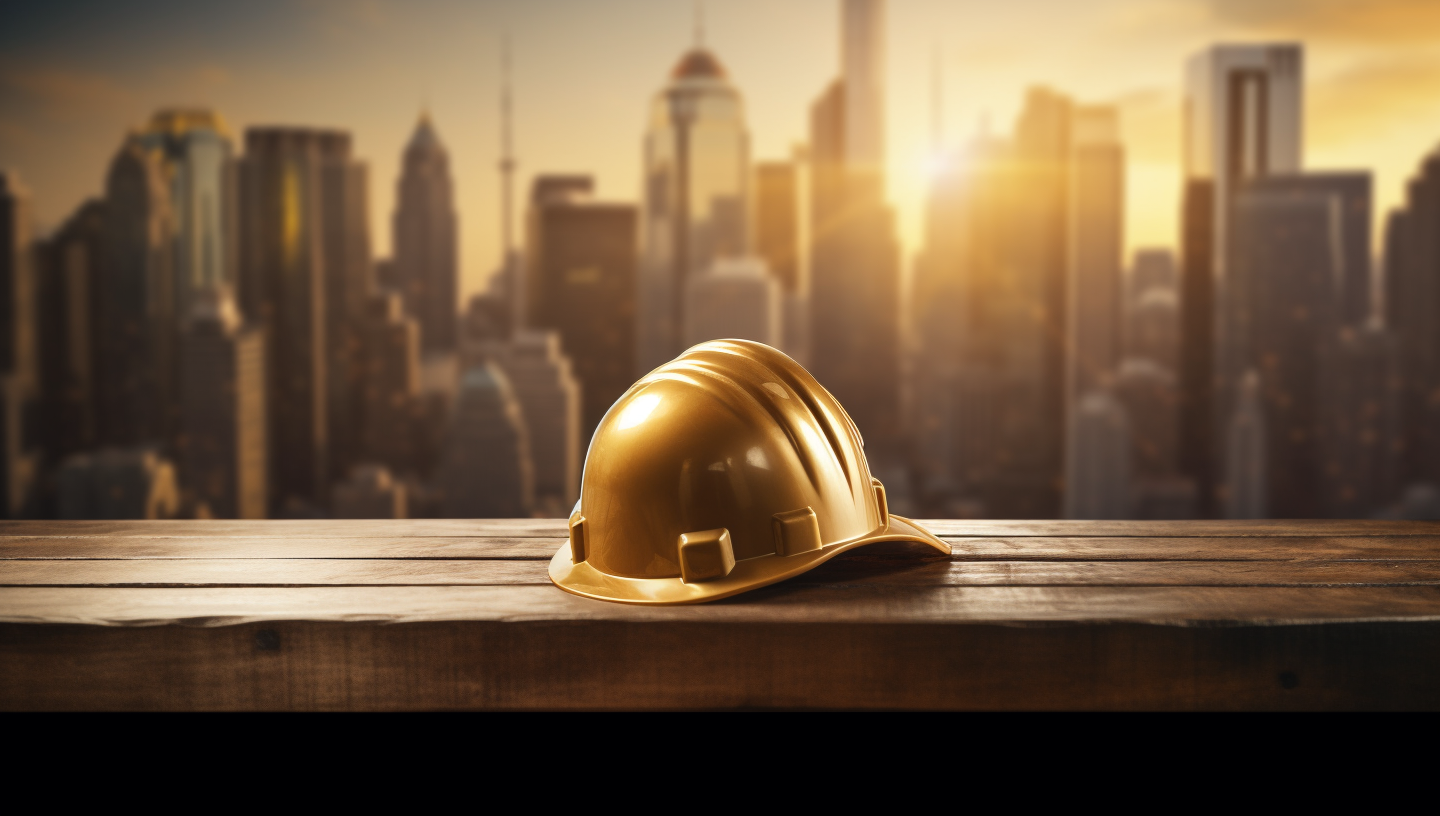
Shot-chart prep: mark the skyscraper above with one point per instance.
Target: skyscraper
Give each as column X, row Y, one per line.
column 283, row 288
column 69, row 340
column 580, row 281
column 1412, row 303
column 780, row 230
column 222, row 448
column 1247, row 468
column 1096, row 226
column 486, row 470
column 390, row 384
column 349, row 284
column 19, row 456
column 426, row 243
column 116, row 483
column 138, row 324
column 736, row 300
column 1098, row 477
column 195, row 149
column 697, row 167
column 549, row 395
column 855, row 257
column 1298, row 271
column 1243, row 120
column 1360, row 427
column 371, row 492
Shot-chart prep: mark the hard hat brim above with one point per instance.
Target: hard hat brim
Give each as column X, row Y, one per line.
column 584, row 580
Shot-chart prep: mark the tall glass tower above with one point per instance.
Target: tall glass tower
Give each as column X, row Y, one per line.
column 697, row 164
column 196, row 147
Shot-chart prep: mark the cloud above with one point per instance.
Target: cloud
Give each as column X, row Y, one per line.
column 1382, row 92
column 63, row 93
column 1354, row 21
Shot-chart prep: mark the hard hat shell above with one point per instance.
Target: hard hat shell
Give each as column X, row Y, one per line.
column 726, row 469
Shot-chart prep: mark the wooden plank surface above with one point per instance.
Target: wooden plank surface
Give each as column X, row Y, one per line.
column 460, row 614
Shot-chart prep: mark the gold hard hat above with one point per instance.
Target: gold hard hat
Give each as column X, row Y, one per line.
column 726, row 469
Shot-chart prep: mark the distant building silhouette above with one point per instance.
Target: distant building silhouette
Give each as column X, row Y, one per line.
column 736, row 299
column 116, row 483
column 221, row 450
column 69, row 338
column 697, row 168
column 19, row 434
column 137, row 301
column 550, row 400
column 1412, row 312
column 1096, row 227
column 1149, row 394
column 1360, row 423
column 781, row 236
column 1298, row 271
column 580, row 281
column 1244, row 119
column 298, row 192
column 390, row 384
column 1151, row 269
column 1097, row 482
column 1246, row 463
column 196, row 150
column 370, row 493
column 486, row 470
column 855, row 257
column 426, row 239
column 1152, row 327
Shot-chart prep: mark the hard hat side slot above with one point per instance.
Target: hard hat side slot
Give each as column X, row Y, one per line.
column 706, row 555
column 796, row 531
column 577, row 539
column 881, row 502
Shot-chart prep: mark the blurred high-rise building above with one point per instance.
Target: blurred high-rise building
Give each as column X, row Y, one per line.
column 137, row 319
column 349, row 284
column 222, row 448
column 1148, row 392
column 855, row 256
column 1247, row 470
column 117, row 483
column 1096, row 234
column 1098, row 474
column 697, row 168
column 196, row 151
column 390, row 384
column 370, row 492
column 19, row 453
column 580, row 281
column 736, row 299
column 1151, row 269
column 780, row 232
column 1152, row 327
column 549, row 395
column 1412, row 312
column 302, row 272
column 426, row 239
column 1360, row 422
column 1244, row 117
column 486, row 470
column 69, row 339
column 1297, row 272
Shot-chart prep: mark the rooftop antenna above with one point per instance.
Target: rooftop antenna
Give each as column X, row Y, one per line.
column 507, row 158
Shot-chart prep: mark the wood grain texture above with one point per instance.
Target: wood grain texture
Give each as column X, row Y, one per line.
column 320, row 615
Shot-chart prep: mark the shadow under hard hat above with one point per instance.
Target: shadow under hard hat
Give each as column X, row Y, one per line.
column 727, row 469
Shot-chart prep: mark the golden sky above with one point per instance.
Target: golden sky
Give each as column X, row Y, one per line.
column 74, row 76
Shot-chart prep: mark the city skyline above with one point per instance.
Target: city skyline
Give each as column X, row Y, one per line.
column 75, row 79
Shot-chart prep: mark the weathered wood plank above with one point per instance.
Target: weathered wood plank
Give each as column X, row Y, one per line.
column 849, row 571
column 1249, row 548
column 555, row 528
column 617, row 665
column 785, row 603
column 267, row 548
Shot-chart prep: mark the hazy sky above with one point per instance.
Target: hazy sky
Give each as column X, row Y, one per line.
column 75, row 75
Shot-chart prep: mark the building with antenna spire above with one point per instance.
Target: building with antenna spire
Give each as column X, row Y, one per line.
column 697, row 168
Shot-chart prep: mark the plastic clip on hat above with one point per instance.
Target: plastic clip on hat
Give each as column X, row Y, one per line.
column 726, row 469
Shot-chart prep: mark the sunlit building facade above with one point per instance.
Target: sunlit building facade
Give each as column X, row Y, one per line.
column 197, row 148
column 697, row 169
